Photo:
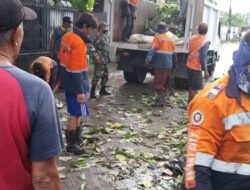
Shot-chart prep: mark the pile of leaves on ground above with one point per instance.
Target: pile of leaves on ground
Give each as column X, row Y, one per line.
column 131, row 145
column 168, row 13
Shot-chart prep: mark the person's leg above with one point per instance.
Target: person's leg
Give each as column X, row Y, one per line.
column 168, row 85
column 74, row 110
column 160, row 76
column 126, row 30
column 104, row 81
column 53, row 77
column 132, row 10
column 79, row 137
column 195, row 81
column 95, row 80
column 159, row 85
column 191, row 94
column 72, row 123
column 55, row 58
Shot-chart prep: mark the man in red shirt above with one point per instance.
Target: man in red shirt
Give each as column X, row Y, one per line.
column 30, row 137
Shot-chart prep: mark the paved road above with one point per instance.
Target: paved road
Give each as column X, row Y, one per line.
column 127, row 106
column 226, row 61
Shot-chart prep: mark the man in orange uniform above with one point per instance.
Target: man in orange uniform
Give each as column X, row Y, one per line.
column 197, row 60
column 161, row 55
column 74, row 77
column 218, row 156
column 130, row 15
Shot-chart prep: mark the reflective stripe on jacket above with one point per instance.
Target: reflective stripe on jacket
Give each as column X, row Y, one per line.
column 73, row 53
column 164, row 47
column 163, row 43
column 219, row 133
column 195, row 44
column 73, row 58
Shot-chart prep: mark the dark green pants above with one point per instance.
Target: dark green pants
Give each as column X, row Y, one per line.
column 100, row 72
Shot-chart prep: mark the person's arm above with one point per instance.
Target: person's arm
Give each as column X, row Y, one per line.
column 150, row 56
column 95, row 49
column 203, row 59
column 54, row 81
column 46, row 141
column 174, row 58
column 152, row 51
column 203, row 179
column 206, row 132
column 45, row 175
column 203, row 56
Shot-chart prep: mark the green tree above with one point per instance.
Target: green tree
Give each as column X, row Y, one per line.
column 82, row 5
column 238, row 19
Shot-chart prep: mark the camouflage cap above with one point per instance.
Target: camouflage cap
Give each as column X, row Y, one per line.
column 102, row 25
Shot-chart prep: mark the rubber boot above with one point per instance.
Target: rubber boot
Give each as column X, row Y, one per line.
column 160, row 100
column 72, row 147
column 79, row 137
column 104, row 92
column 92, row 92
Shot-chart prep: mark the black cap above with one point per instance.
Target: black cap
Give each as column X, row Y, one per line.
column 12, row 13
column 67, row 19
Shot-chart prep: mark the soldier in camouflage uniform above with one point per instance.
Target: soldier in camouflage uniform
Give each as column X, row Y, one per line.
column 101, row 55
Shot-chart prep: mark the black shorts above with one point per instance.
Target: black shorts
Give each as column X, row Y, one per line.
column 195, row 79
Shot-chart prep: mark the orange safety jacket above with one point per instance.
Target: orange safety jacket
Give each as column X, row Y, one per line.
column 162, row 51
column 196, row 43
column 133, row 2
column 219, row 133
column 73, row 59
column 163, row 43
column 73, row 53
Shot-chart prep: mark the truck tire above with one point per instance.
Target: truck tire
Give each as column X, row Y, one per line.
column 135, row 77
column 130, row 77
column 140, row 75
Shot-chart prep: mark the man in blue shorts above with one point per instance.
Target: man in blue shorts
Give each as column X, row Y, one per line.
column 74, row 78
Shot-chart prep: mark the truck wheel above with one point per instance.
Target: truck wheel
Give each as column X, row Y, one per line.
column 140, row 75
column 181, row 83
column 129, row 76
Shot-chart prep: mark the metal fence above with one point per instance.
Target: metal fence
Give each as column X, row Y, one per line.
column 38, row 33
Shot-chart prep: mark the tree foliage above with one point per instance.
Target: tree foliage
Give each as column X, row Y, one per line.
column 238, row 19
column 82, row 5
